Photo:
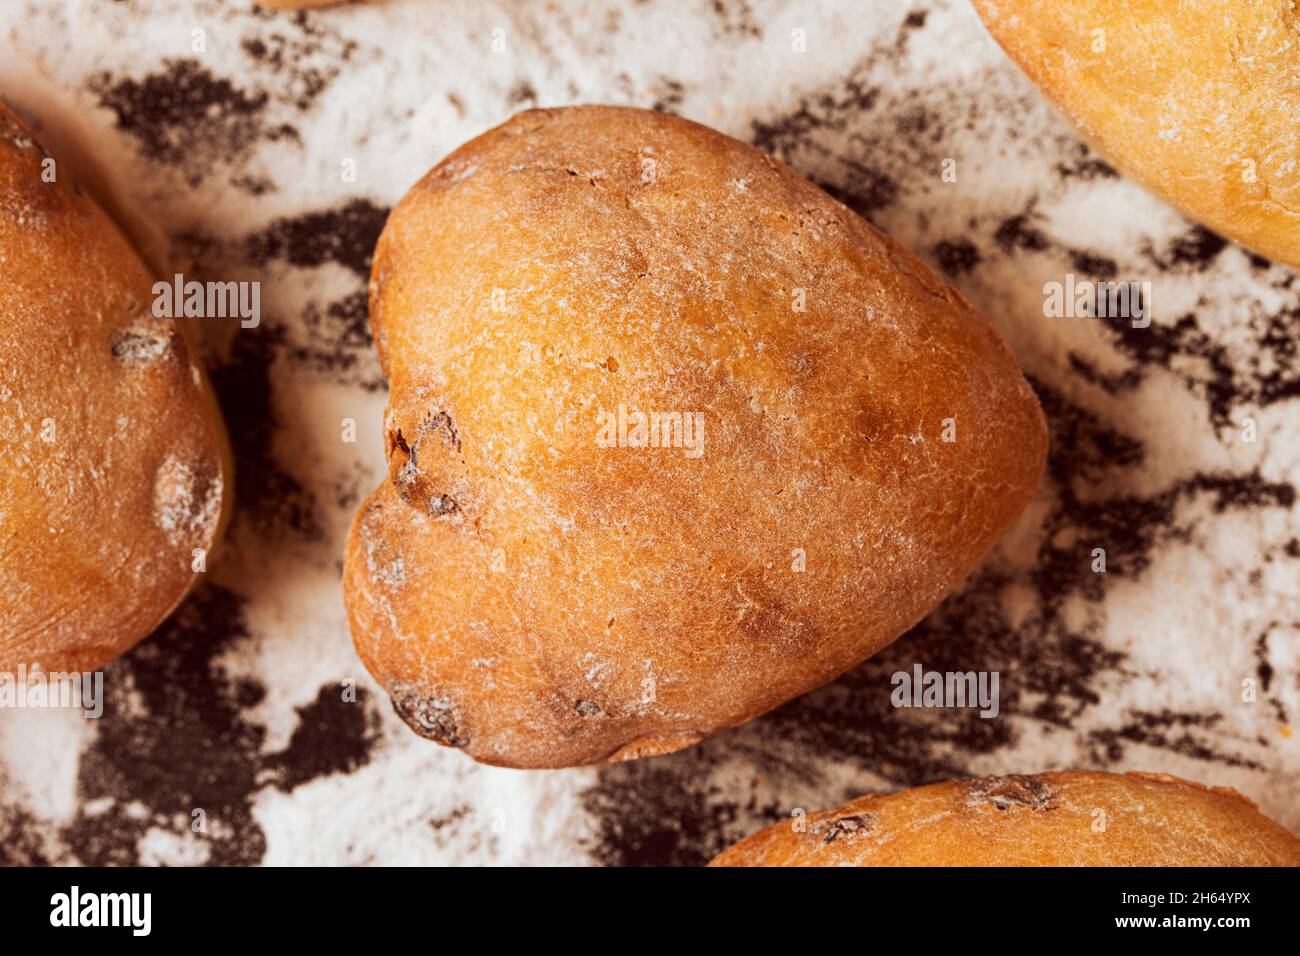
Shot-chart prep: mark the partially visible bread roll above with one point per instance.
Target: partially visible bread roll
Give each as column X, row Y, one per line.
column 1197, row 99
column 113, row 477
column 1051, row 819
column 540, row 585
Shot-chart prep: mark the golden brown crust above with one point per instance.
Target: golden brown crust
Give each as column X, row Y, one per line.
column 540, row 600
column 1052, row 819
column 111, row 464
column 1196, row 99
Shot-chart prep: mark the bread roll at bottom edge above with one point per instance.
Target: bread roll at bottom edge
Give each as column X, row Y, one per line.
column 1071, row 818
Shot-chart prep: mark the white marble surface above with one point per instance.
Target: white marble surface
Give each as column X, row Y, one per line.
column 226, row 163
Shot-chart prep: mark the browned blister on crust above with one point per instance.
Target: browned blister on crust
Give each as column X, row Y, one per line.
column 1198, row 99
column 565, row 602
column 112, row 468
column 1052, row 819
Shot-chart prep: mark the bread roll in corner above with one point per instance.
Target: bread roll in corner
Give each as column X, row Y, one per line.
column 672, row 437
column 1196, row 99
column 113, row 475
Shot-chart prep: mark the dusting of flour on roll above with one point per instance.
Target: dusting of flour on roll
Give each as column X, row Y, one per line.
column 672, row 437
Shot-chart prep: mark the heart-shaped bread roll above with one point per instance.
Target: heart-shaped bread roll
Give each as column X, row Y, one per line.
column 673, row 436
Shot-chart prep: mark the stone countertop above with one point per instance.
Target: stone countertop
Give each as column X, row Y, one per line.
column 225, row 162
